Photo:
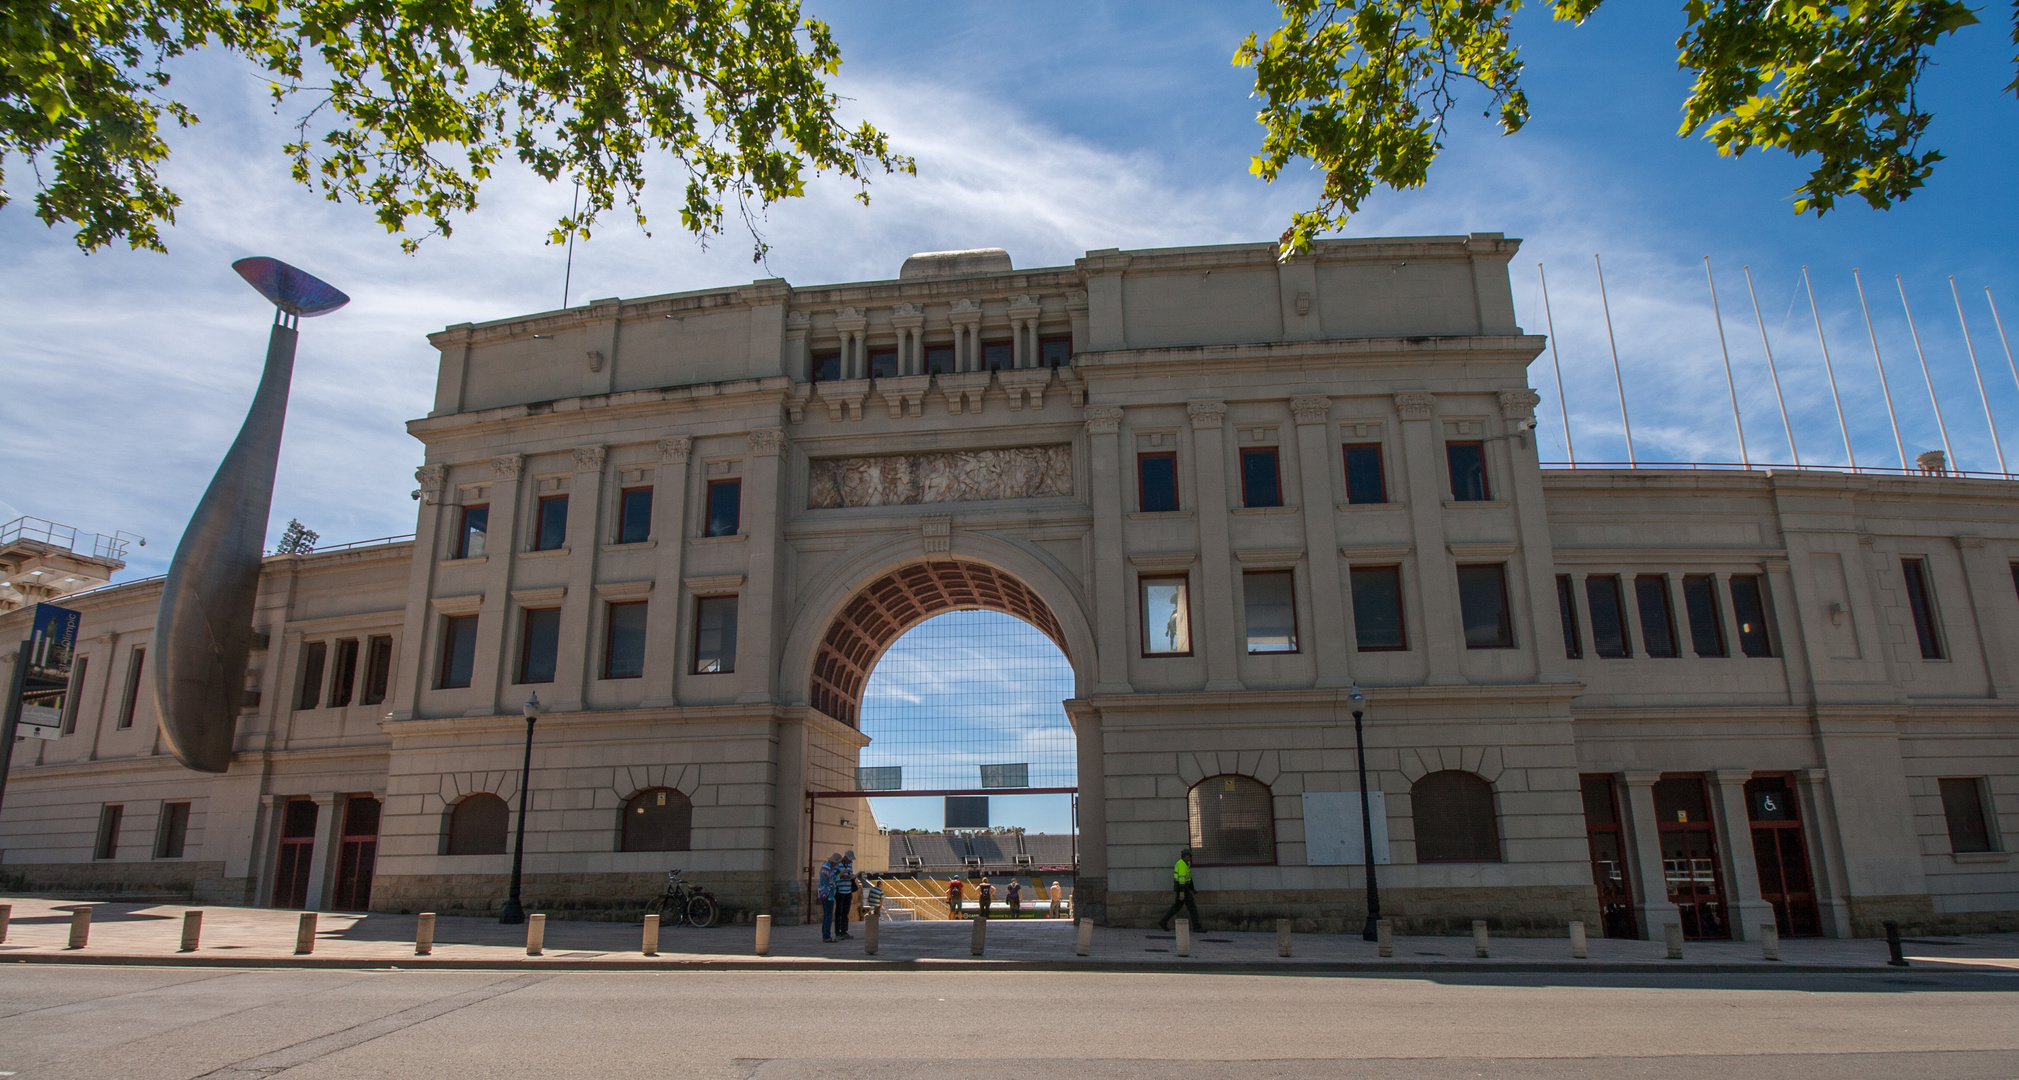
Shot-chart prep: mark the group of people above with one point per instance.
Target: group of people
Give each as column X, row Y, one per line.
column 1013, row 897
column 837, row 888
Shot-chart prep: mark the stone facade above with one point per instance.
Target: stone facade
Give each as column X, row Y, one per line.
column 902, row 447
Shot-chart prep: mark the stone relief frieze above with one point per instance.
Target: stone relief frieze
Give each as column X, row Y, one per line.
column 1026, row 472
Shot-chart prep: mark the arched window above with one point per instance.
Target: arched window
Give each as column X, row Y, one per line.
column 1454, row 818
column 657, row 819
column 1233, row 822
column 478, row 824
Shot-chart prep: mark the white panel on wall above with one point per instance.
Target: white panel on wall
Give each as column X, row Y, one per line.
column 1332, row 828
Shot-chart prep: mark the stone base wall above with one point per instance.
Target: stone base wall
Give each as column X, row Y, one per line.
column 1512, row 911
column 190, row 882
column 611, row 897
column 1914, row 912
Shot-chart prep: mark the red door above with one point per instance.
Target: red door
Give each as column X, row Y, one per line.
column 1782, row 856
column 358, row 853
column 297, row 850
column 1608, row 857
column 1689, row 855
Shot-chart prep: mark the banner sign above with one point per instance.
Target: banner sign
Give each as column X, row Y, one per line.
column 45, row 687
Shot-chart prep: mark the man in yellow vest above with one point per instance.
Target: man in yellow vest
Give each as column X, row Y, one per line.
column 1181, row 885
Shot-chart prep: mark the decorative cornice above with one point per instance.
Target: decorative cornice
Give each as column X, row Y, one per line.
column 1495, row 549
column 767, row 441
column 720, row 585
column 589, row 458
column 676, row 448
column 458, row 605
column 1415, row 404
column 1374, row 554
column 1310, row 410
column 1104, row 420
column 623, row 590
column 508, row 466
column 1162, row 560
column 1270, row 558
column 539, row 597
column 1206, row 414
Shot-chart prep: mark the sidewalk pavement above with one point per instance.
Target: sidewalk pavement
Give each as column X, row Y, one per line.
column 150, row 934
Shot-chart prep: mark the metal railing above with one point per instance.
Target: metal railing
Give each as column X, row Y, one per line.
column 1735, row 466
column 66, row 538
column 321, row 549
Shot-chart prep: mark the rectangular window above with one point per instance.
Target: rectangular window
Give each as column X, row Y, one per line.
column 107, row 844
column 725, row 507
column 459, row 651
column 1377, row 608
column 883, row 363
column 344, row 677
column 74, row 694
column 172, row 834
column 939, row 360
column 1963, row 805
column 1157, row 483
column 129, row 699
column 634, row 516
column 997, row 356
column 539, row 644
column 624, row 642
column 1055, row 352
column 1566, row 612
column 1707, row 623
column 314, row 657
column 470, row 535
column 552, row 531
column 824, row 366
column 378, row 669
column 1261, row 480
column 1749, row 606
column 1366, row 481
column 1657, row 615
column 1467, row 462
column 1167, row 617
column 1270, row 598
column 1482, row 601
column 715, row 635
column 1920, row 598
column 1608, row 617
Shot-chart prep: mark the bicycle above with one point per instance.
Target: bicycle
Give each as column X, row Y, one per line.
column 683, row 901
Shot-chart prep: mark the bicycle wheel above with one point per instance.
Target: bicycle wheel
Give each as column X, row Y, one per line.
column 702, row 912
column 656, row 905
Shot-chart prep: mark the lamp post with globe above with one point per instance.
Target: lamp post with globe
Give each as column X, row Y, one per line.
column 1370, row 932
column 513, row 914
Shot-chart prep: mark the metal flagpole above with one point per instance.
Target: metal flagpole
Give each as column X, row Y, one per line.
column 1887, row 390
column 1996, row 444
column 2002, row 340
column 1771, row 370
column 568, row 277
column 1950, row 454
column 1560, row 403
column 1744, row 458
column 1830, row 368
column 1618, row 381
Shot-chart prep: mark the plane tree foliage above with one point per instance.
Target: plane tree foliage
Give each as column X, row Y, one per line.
column 1363, row 89
column 409, row 106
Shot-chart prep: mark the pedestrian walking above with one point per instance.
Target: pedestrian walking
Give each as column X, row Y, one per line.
column 824, row 889
column 1058, row 897
column 844, row 894
column 1014, row 897
column 1181, row 887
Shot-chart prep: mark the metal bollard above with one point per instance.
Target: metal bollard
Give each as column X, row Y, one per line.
column 536, row 934
column 763, row 935
column 80, row 927
column 1479, row 938
column 1673, row 934
column 424, row 934
column 1893, row 944
column 871, row 919
column 304, row 934
column 6, row 914
column 1086, row 936
column 192, row 930
column 1580, row 947
column 979, row 941
column 1384, row 937
column 1184, row 940
column 1770, row 941
column 1282, row 937
column 650, row 946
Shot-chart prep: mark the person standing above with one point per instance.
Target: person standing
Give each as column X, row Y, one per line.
column 953, row 891
column 1014, row 897
column 985, row 895
column 1181, row 887
column 825, row 891
column 1058, row 897
column 844, row 894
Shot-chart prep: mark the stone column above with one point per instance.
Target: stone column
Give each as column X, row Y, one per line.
column 909, row 323
column 501, row 546
column 1651, row 904
column 1110, row 565
column 758, row 607
column 1090, row 886
column 1742, row 873
column 1826, row 851
column 410, row 673
column 328, row 839
column 1215, row 630
column 1531, row 514
column 797, row 359
column 663, row 655
column 265, row 849
column 851, row 324
column 579, row 610
column 1316, row 452
column 1437, row 582
column 1782, row 596
column 1023, row 316
column 1996, row 620
column 966, row 319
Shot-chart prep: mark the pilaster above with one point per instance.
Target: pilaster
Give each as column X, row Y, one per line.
column 1996, row 620
column 761, row 510
column 1651, row 903
column 1214, row 627
column 578, row 661
column 664, row 657
column 1316, row 455
column 1742, row 872
column 1443, row 631
column 406, row 682
column 501, row 548
column 1111, row 569
column 328, row 839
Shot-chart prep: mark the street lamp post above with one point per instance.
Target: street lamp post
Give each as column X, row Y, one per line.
column 1367, row 933
column 513, row 914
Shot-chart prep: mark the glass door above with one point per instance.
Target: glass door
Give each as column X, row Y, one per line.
column 1782, row 856
column 297, row 848
column 1689, row 856
column 1608, row 857
column 358, row 854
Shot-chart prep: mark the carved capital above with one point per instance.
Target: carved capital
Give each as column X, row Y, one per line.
column 507, row 466
column 1104, row 420
column 676, row 448
column 1310, row 410
column 1207, row 414
column 904, row 310
column 589, row 458
column 798, row 320
column 1023, row 305
column 1076, row 300
column 1415, row 404
column 1519, row 404
column 767, row 441
column 966, row 306
column 432, row 477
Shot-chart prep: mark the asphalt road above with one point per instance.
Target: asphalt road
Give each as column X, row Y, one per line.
column 147, row 1023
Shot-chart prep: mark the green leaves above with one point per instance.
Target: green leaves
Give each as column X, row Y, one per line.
column 408, row 106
